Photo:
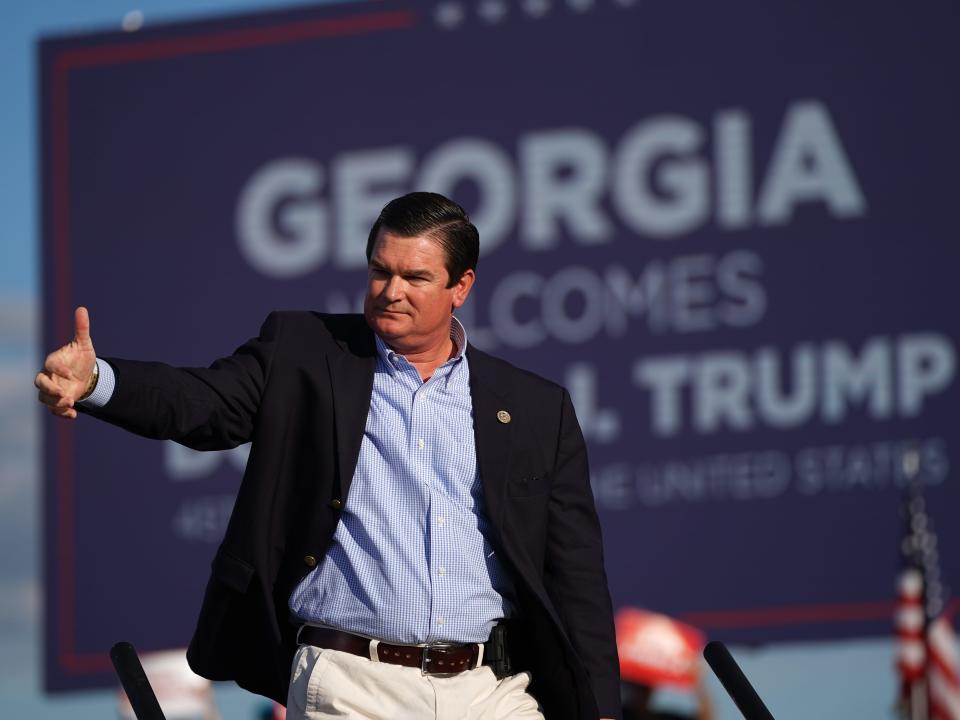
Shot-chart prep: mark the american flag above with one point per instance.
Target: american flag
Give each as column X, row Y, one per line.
column 927, row 657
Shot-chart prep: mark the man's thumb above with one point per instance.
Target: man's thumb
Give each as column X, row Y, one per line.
column 81, row 321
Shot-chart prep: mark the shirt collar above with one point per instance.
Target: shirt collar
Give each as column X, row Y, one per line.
column 458, row 334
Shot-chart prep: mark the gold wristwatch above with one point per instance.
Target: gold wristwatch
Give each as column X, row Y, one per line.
column 92, row 385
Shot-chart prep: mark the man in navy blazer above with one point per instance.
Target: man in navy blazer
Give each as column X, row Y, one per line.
column 301, row 392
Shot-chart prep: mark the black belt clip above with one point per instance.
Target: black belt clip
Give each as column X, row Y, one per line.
column 496, row 651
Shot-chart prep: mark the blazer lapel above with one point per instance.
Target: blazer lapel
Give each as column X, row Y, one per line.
column 493, row 431
column 351, row 382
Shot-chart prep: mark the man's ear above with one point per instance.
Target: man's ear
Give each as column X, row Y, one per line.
column 462, row 288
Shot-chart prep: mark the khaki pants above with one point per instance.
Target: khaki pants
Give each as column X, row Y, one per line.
column 333, row 684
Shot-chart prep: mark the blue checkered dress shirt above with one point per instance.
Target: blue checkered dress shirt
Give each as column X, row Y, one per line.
column 410, row 561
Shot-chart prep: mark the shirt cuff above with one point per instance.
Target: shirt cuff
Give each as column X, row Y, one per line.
column 105, row 384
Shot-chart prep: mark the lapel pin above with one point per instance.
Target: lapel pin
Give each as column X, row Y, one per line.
column 503, row 416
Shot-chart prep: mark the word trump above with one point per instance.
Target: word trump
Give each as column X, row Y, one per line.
column 732, row 390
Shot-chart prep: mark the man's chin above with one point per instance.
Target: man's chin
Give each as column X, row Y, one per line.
column 389, row 325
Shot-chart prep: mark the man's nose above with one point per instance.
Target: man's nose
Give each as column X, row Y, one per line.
column 394, row 288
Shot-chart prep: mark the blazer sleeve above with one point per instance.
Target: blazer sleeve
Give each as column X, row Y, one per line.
column 574, row 575
column 213, row 408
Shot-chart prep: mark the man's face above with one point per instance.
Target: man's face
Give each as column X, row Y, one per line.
column 408, row 302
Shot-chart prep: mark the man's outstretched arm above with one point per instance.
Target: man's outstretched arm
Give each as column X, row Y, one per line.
column 210, row 408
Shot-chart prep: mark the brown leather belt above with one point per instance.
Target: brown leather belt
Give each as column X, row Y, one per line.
column 437, row 659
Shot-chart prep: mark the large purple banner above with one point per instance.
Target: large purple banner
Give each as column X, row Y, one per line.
column 728, row 228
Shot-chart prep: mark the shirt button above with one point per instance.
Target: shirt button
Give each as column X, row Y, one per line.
column 420, row 443
column 440, row 521
column 439, row 621
column 442, row 571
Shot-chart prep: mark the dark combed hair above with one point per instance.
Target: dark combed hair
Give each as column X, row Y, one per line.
column 438, row 217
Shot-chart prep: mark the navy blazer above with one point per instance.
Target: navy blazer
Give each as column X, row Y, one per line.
column 301, row 392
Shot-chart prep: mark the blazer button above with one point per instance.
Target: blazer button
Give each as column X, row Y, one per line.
column 309, row 561
column 335, row 504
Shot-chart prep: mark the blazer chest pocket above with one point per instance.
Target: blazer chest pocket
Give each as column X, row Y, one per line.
column 231, row 571
column 527, row 486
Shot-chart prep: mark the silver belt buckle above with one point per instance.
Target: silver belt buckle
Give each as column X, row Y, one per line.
column 426, row 652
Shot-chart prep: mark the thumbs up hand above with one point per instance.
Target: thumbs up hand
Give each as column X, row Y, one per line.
column 67, row 374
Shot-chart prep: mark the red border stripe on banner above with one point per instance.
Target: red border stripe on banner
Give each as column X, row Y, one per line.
column 227, row 40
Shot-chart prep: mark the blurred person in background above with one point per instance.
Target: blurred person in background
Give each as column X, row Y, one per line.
column 462, row 572
column 657, row 651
